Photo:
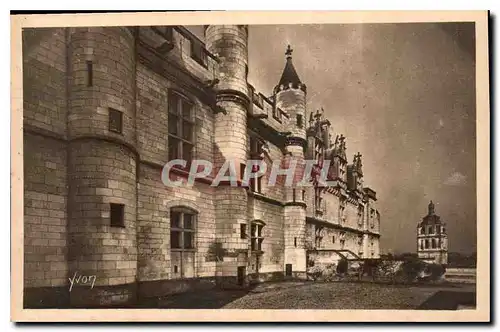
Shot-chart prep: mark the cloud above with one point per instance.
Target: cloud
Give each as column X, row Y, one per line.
column 456, row 179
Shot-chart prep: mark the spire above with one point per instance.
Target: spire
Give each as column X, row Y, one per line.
column 289, row 73
column 431, row 208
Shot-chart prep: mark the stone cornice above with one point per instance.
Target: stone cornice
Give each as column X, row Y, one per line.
column 295, row 140
column 300, row 204
column 233, row 96
column 340, row 227
column 264, row 198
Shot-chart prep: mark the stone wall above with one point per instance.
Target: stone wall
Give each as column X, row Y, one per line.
column 154, row 248
column 45, row 159
column 44, row 72
column 45, row 192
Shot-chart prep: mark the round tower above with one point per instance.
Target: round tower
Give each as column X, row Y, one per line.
column 230, row 44
column 102, row 164
column 290, row 96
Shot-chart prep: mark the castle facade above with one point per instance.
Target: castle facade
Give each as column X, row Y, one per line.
column 105, row 108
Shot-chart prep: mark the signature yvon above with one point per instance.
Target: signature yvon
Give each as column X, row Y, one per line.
column 82, row 280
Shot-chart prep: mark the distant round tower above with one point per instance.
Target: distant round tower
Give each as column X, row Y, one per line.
column 432, row 241
column 102, row 164
column 230, row 44
column 290, row 96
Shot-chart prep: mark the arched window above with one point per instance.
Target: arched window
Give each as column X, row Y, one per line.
column 256, row 235
column 182, row 241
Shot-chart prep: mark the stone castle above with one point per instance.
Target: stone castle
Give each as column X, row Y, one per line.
column 106, row 107
column 432, row 240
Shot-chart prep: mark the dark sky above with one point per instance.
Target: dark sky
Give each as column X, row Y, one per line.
column 404, row 95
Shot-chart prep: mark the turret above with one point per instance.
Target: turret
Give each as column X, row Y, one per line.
column 102, row 160
column 230, row 44
column 290, row 94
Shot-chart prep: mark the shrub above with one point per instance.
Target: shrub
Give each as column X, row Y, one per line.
column 329, row 272
column 315, row 272
column 412, row 269
column 434, row 272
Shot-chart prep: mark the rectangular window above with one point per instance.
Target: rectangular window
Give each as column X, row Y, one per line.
column 90, row 74
column 256, row 146
column 317, row 200
column 242, row 172
column 293, row 193
column 318, row 238
column 299, row 121
column 333, row 239
column 303, row 195
column 276, row 113
column 243, row 231
column 295, row 242
column 115, row 121
column 117, row 217
column 256, row 184
column 181, row 128
column 256, row 237
column 182, row 229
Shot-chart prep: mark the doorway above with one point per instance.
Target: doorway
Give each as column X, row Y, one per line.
column 241, row 275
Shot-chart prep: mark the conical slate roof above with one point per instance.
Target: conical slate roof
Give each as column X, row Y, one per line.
column 289, row 73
